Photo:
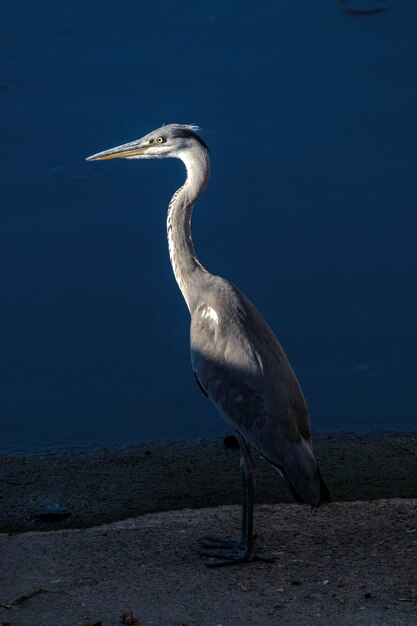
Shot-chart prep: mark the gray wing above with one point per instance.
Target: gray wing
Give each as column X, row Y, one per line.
column 242, row 367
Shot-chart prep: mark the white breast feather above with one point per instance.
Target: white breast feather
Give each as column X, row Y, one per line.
column 211, row 314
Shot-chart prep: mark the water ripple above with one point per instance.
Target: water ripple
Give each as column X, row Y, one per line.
column 364, row 7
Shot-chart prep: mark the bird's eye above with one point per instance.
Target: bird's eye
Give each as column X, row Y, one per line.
column 159, row 140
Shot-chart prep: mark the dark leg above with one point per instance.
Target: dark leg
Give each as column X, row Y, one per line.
column 237, row 550
column 249, row 479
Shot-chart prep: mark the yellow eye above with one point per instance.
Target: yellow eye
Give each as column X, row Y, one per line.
column 159, row 140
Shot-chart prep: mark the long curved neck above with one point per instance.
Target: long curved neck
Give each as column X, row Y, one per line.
column 187, row 268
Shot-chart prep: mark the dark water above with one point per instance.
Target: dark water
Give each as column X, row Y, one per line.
column 310, row 113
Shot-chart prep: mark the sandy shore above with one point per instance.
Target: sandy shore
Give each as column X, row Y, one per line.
column 352, row 562
column 347, row 564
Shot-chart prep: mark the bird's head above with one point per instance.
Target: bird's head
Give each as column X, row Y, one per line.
column 172, row 140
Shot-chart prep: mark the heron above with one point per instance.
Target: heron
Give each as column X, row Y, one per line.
column 237, row 360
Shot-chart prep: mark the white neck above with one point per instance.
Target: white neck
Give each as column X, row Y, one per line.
column 188, row 271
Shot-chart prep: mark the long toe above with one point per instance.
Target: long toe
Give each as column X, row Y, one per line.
column 225, row 551
column 213, row 543
column 222, row 559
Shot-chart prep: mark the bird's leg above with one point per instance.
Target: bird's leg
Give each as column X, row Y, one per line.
column 238, row 550
column 248, row 470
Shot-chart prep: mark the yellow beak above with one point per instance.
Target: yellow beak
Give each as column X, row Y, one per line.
column 131, row 149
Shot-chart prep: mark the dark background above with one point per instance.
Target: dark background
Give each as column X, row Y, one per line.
column 310, row 114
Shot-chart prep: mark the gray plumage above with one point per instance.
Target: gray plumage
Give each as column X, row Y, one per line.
column 237, row 359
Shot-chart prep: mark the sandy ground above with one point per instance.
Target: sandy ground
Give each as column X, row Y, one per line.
column 349, row 563
column 352, row 562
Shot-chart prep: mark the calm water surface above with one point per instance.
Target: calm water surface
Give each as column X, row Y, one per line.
column 310, row 113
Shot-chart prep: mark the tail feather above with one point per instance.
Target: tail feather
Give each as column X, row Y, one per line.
column 324, row 492
column 299, row 499
column 299, row 469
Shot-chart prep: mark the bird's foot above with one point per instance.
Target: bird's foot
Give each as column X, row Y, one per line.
column 212, row 542
column 228, row 552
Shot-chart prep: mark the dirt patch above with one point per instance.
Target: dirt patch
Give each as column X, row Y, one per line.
column 347, row 564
